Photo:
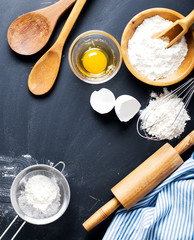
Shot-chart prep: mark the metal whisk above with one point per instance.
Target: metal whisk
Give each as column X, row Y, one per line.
column 183, row 92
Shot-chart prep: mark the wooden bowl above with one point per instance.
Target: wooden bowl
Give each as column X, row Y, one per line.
column 186, row 66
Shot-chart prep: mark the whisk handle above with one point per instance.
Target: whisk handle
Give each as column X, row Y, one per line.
column 186, row 143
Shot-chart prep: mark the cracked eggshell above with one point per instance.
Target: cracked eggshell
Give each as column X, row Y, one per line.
column 102, row 101
column 126, row 107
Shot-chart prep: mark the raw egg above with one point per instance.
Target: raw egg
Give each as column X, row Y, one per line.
column 94, row 61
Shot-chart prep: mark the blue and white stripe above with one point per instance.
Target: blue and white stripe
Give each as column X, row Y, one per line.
column 167, row 213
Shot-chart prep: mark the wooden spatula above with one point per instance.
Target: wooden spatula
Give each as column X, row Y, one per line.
column 177, row 29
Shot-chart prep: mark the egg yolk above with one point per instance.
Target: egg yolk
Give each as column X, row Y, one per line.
column 94, row 61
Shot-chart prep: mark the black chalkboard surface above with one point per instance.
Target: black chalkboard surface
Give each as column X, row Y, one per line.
column 98, row 150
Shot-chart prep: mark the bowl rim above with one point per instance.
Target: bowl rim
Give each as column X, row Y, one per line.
column 13, row 198
column 124, row 43
column 95, row 32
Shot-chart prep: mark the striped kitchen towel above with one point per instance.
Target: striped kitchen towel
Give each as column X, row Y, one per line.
column 167, row 213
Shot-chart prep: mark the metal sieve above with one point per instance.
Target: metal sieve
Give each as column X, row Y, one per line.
column 18, row 185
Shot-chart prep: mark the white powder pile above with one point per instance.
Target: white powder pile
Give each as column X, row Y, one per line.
column 40, row 198
column 149, row 55
column 164, row 117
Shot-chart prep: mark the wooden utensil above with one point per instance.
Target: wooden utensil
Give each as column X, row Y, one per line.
column 45, row 71
column 142, row 180
column 186, row 66
column 178, row 29
column 30, row 32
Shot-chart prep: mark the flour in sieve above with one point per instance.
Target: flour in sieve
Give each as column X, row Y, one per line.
column 164, row 118
column 40, row 198
column 149, row 55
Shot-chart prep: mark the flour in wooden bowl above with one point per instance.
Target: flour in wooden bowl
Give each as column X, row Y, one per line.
column 149, row 55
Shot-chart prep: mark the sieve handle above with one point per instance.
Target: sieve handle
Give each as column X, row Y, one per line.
column 18, row 230
column 63, row 165
column 6, row 230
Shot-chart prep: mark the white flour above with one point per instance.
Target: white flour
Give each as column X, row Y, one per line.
column 40, row 198
column 149, row 56
column 159, row 118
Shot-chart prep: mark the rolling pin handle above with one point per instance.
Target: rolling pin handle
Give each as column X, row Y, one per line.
column 101, row 214
column 165, row 169
column 186, row 143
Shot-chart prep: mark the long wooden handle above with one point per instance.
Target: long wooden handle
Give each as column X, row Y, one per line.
column 142, row 180
column 186, row 143
column 101, row 214
column 54, row 11
column 70, row 22
column 175, row 31
column 188, row 20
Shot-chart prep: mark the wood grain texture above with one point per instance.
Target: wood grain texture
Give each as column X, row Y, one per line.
column 98, row 150
column 147, row 176
column 29, row 33
column 178, row 29
column 101, row 214
column 186, row 66
column 45, row 71
column 142, row 180
column 186, row 143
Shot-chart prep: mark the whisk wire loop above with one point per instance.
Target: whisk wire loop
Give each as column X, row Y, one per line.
column 184, row 93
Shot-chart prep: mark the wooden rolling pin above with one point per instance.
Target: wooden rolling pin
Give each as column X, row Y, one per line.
column 142, row 180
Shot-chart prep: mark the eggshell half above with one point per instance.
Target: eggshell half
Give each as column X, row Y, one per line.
column 102, row 101
column 126, row 107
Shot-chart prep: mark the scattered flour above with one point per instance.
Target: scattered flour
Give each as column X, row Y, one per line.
column 27, row 156
column 40, row 198
column 149, row 56
column 164, row 117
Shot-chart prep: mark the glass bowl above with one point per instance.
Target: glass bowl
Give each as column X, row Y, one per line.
column 100, row 40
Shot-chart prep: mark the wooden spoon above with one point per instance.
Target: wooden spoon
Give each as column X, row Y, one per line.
column 179, row 28
column 45, row 71
column 30, row 32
